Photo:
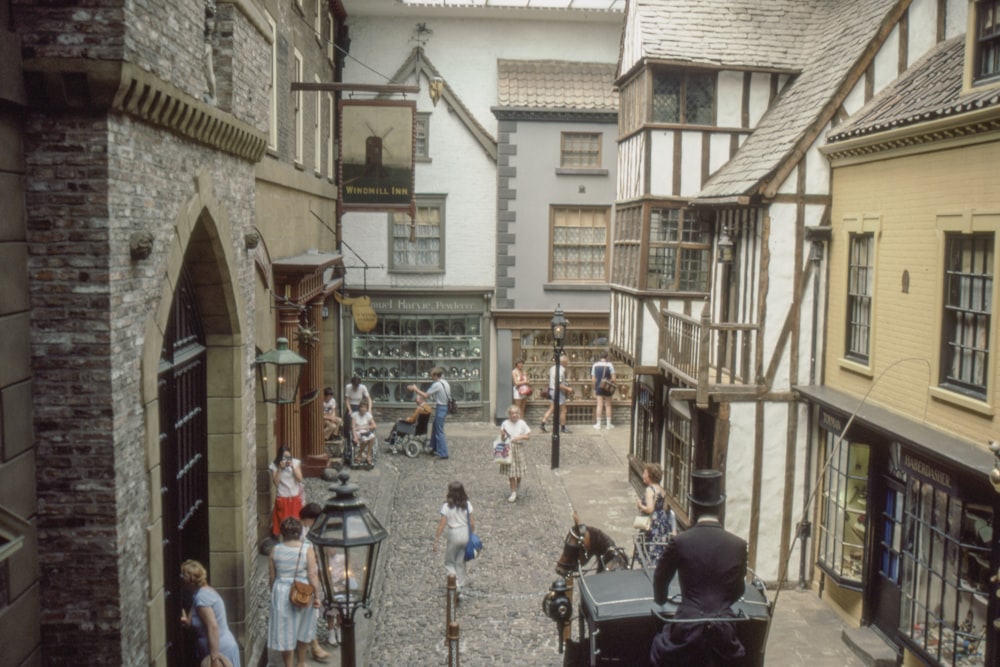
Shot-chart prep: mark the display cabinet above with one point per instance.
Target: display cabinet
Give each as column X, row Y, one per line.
column 402, row 349
column 583, row 348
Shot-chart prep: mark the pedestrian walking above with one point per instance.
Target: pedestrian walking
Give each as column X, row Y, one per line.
column 603, row 370
column 557, row 380
column 208, row 617
column 438, row 393
column 290, row 628
column 515, row 431
column 286, row 474
column 522, row 385
column 457, row 517
column 308, row 517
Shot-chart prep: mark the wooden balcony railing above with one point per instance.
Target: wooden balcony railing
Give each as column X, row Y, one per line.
column 711, row 357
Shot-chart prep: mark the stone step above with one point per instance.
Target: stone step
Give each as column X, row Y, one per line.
column 870, row 647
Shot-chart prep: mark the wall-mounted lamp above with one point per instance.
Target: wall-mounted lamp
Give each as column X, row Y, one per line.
column 995, row 473
column 726, row 246
column 280, row 372
column 436, row 89
column 816, row 252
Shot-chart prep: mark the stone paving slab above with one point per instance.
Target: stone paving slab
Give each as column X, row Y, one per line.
column 501, row 618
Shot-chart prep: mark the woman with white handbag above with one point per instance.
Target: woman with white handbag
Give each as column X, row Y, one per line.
column 658, row 522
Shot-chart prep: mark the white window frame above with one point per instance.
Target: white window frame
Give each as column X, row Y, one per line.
column 272, row 121
column 331, row 120
column 297, row 110
column 583, row 245
column 318, row 132
column 422, row 123
column 571, row 138
column 403, row 219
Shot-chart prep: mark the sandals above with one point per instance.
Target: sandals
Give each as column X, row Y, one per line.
column 320, row 655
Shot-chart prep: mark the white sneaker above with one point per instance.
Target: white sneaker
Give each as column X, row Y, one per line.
column 611, row 425
column 513, row 497
column 597, row 425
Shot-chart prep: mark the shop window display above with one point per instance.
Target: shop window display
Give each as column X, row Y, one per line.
column 945, row 577
column 402, row 350
column 844, row 511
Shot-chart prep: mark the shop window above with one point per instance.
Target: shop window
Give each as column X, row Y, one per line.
column 945, row 577
column 844, row 510
column 968, row 299
column 580, row 150
column 580, row 243
column 678, row 453
column 422, row 137
column 583, row 347
column 680, row 251
column 987, row 48
column 860, row 271
column 683, row 97
column 418, row 247
column 402, row 350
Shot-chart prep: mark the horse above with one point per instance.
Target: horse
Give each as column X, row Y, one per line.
column 584, row 542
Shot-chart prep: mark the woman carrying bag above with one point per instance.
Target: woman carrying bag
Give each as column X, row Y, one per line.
column 515, row 431
column 291, row 628
column 457, row 517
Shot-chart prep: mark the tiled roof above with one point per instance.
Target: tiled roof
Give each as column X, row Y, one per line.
column 833, row 41
column 931, row 88
column 556, row 85
column 731, row 33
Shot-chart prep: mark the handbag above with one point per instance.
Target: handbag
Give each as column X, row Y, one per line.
column 502, row 453
column 608, row 387
column 524, row 390
column 546, row 394
column 300, row 594
column 474, row 545
column 643, row 522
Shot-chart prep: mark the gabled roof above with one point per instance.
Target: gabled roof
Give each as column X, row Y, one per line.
column 836, row 44
column 930, row 89
column 730, row 33
column 556, row 85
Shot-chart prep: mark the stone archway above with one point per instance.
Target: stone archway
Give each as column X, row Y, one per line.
column 202, row 246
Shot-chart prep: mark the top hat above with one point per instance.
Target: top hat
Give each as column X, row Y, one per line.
column 706, row 488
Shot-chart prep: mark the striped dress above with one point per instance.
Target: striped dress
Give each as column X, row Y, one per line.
column 289, row 624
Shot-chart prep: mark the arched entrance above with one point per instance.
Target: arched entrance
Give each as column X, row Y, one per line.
column 182, row 392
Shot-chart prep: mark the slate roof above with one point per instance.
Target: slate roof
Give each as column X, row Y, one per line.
column 556, row 85
column 931, row 88
column 831, row 41
column 731, row 33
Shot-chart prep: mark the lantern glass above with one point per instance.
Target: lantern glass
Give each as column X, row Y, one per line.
column 558, row 326
column 280, row 372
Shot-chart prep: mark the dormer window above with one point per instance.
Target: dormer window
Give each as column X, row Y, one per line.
column 987, row 62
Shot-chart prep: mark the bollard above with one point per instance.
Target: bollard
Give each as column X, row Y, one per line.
column 453, row 645
column 451, row 604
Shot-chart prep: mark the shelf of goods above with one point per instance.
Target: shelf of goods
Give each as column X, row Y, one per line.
column 402, row 350
column 582, row 348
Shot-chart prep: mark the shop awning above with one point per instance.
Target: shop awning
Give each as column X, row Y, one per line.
column 897, row 427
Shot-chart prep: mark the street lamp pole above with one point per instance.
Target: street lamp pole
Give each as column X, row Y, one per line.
column 559, row 324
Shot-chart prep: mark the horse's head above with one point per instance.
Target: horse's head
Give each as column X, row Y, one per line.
column 582, row 543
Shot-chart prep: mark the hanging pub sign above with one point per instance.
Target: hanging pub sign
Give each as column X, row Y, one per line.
column 376, row 159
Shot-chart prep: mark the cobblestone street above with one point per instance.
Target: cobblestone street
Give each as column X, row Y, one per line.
column 500, row 616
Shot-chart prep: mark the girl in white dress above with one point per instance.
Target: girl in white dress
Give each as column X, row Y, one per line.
column 515, row 431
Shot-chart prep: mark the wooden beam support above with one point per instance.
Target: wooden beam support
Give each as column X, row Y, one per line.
column 356, row 87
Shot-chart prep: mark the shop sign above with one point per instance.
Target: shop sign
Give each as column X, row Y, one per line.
column 832, row 423
column 400, row 304
column 377, row 155
column 365, row 317
column 928, row 471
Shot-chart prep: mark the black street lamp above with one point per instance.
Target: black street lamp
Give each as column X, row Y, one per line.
column 280, row 371
column 559, row 324
column 347, row 537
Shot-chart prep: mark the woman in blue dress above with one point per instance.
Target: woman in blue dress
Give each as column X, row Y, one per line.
column 208, row 617
column 290, row 628
column 663, row 523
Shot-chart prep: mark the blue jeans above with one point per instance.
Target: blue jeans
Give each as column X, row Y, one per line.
column 438, row 443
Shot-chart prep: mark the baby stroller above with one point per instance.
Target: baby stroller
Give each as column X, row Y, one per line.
column 410, row 438
column 353, row 452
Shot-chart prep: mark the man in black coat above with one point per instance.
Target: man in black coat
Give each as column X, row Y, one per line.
column 711, row 565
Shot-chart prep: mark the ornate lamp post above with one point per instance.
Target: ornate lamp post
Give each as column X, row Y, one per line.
column 280, row 372
column 559, row 325
column 347, row 537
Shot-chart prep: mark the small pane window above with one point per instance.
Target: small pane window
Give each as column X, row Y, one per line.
column 579, row 243
column 421, row 137
column 859, row 296
column 968, row 300
column 844, row 511
column 987, row 40
column 418, row 245
column 684, row 97
column 580, row 150
column 628, row 244
column 680, row 248
column 678, row 457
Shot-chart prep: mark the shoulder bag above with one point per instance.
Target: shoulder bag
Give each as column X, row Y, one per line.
column 608, row 387
column 452, row 403
column 300, row 594
column 474, row 545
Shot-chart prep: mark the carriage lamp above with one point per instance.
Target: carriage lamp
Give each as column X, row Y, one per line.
column 557, row 606
column 725, row 245
column 559, row 324
column 280, row 371
column 347, row 537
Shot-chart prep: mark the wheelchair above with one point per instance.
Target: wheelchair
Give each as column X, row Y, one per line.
column 353, row 452
column 410, row 438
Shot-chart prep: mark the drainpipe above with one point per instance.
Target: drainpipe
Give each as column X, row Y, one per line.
column 805, row 525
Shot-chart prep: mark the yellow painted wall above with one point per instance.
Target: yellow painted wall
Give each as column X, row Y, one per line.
column 908, row 200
